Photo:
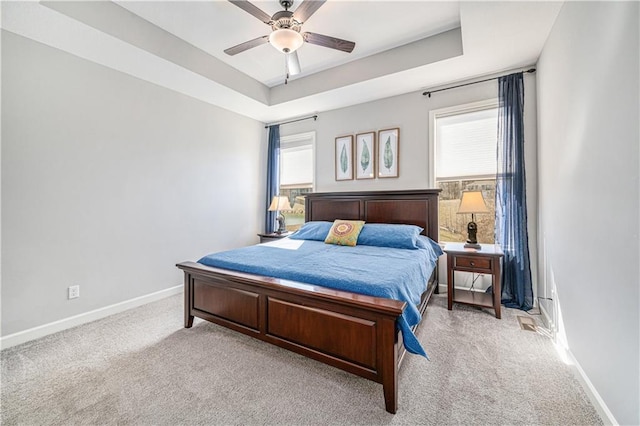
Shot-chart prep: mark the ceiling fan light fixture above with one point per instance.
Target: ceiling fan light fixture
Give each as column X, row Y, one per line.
column 286, row 40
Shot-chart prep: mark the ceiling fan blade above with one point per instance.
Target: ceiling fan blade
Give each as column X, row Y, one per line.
column 293, row 63
column 330, row 42
column 252, row 9
column 306, row 9
column 246, row 45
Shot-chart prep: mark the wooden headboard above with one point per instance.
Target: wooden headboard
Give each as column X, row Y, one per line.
column 412, row 207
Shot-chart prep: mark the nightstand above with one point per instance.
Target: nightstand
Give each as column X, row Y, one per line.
column 486, row 260
column 265, row 238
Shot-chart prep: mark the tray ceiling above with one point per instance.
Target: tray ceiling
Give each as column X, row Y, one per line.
column 401, row 46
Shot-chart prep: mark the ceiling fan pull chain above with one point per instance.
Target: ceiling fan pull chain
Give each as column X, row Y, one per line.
column 286, row 69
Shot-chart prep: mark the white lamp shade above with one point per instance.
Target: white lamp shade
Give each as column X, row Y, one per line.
column 286, row 39
column 472, row 202
column 279, row 203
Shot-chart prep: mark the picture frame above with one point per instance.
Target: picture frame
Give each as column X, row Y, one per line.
column 365, row 157
column 344, row 157
column 388, row 153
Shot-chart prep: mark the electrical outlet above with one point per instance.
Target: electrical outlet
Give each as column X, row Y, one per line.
column 74, row 291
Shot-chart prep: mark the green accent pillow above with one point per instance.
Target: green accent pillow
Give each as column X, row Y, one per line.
column 344, row 232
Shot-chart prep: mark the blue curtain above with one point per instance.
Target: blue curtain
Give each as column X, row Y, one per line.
column 511, row 203
column 273, row 175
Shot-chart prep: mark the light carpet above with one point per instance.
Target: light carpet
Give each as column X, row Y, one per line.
column 141, row 367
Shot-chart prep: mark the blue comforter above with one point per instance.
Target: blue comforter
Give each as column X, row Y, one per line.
column 391, row 273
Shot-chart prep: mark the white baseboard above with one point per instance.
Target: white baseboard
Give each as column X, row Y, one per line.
column 598, row 403
column 546, row 318
column 63, row 324
column 593, row 395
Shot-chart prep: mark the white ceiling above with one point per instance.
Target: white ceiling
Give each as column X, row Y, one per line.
column 374, row 26
column 401, row 46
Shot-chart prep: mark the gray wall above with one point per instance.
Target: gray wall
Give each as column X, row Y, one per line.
column 409, row 112
column 588, row 167
column 108, row 181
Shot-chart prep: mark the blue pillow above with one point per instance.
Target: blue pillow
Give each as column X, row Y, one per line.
column 316, row 231
column 425, row 242
column 389, row 235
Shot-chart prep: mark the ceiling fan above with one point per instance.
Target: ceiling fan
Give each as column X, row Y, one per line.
column 285, row 35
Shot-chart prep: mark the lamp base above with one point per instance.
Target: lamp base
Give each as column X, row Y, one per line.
column 472, row 230
column 282, row 229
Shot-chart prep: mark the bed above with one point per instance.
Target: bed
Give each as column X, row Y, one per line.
column 354, row 332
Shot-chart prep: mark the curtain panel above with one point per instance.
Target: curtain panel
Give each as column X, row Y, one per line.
column 273, row 176
column 511, row 203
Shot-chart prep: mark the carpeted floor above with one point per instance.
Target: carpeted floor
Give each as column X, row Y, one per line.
column 141, row 367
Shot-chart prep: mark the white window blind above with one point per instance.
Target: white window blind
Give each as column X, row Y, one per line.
column 466, row 144
column 296, row 164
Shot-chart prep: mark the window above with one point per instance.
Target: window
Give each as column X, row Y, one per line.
column 463, row 147
column 296, row 174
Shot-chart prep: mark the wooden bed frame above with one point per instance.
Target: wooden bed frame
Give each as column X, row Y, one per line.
column 353, row 332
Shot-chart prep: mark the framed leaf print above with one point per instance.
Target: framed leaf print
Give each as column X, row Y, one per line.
column 344, row 158
column 365, row 155
column 387, row 153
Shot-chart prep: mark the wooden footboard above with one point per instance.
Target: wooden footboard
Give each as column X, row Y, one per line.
column 353, row 332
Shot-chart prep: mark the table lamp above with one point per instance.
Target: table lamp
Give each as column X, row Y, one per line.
column 278, row 204
column 472, row 202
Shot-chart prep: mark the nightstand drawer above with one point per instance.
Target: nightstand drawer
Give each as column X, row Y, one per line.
column 473, row 262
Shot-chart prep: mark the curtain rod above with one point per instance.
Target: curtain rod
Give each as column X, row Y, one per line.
column 315, row 117
column 429, row 92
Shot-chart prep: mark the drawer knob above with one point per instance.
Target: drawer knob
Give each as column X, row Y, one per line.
column 473, row 263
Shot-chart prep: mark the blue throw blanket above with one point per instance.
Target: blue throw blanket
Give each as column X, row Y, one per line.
column 391, row 273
